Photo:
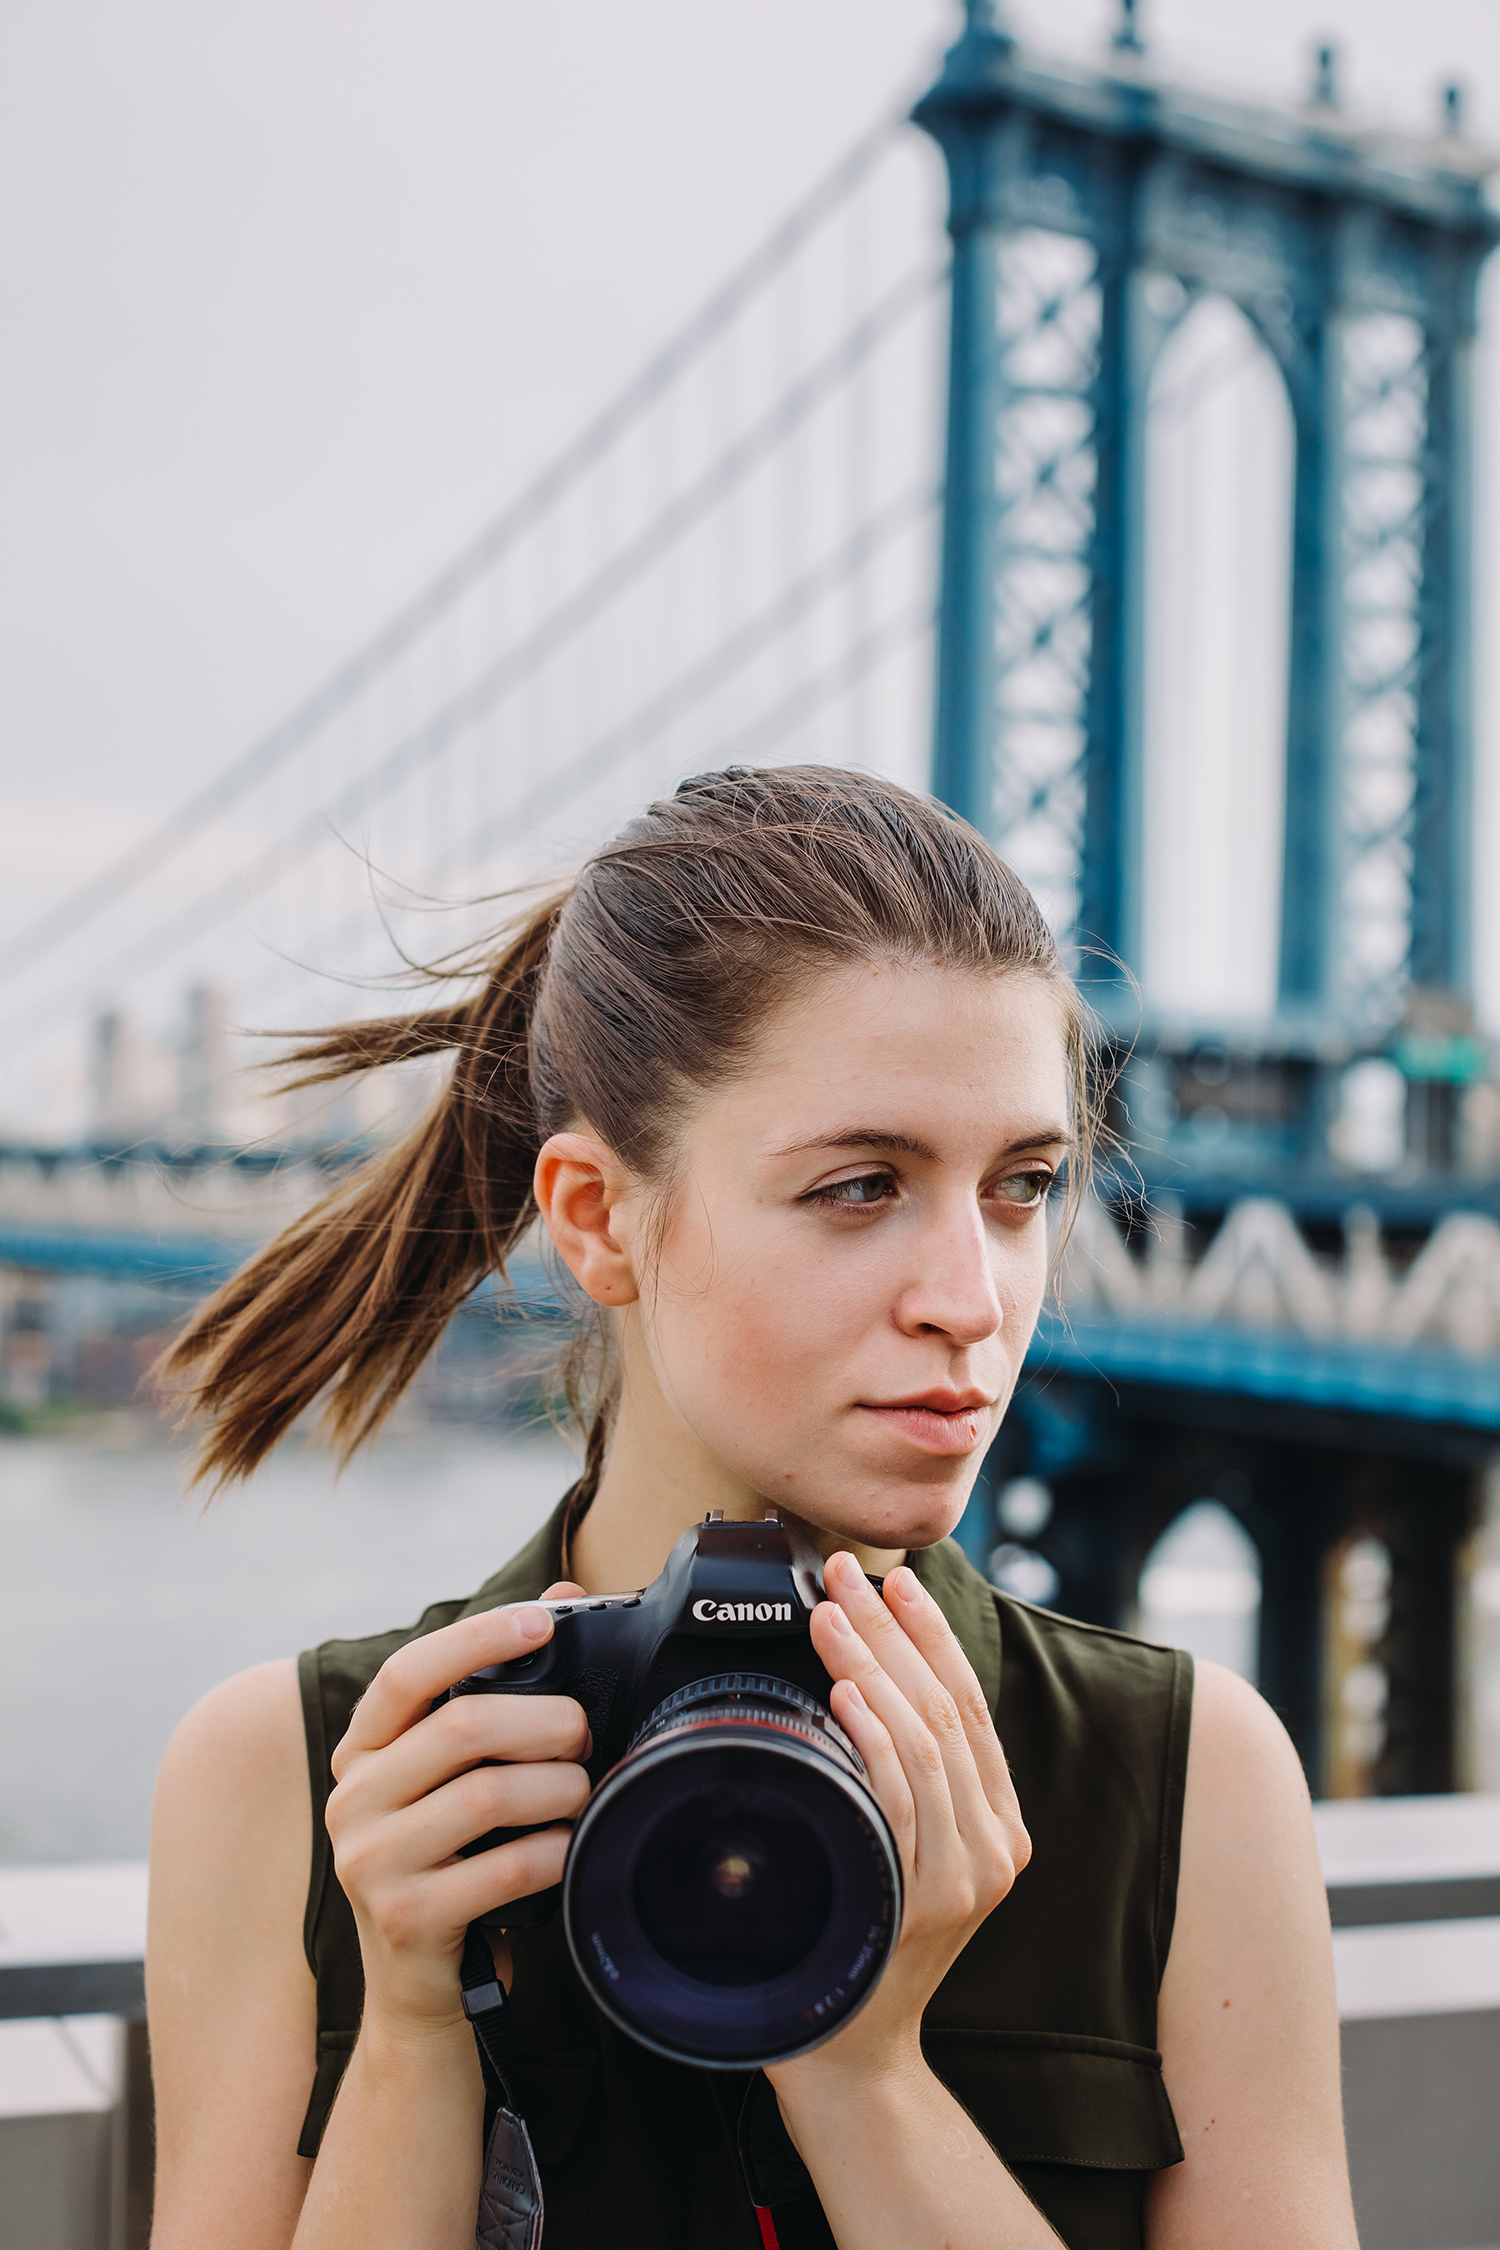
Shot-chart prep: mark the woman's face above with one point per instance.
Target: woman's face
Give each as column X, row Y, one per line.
column 855, row 1251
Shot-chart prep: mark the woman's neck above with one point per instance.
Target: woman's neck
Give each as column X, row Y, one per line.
column 657, row 1482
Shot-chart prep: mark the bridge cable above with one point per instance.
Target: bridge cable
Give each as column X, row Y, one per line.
column 472, row 564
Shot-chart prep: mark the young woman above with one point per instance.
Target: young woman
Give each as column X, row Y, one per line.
column 788, row 1075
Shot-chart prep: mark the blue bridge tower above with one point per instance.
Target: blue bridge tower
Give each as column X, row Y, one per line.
column 1090, row 210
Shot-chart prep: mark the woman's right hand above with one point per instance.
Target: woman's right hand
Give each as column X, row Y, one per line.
column 414, row 1784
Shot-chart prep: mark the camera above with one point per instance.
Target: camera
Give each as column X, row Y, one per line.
column 732, row 1890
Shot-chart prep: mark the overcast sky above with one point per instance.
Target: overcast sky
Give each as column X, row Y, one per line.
column 295, row 295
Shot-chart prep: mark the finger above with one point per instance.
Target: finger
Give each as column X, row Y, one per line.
column 883, row 1768
column 929, row 1696
column 427, row 1834
column 931, row 1635
column 402, row 1691
column 921, row 1755
column 563, row 1591
column 513, row 1729
column 456, row 1895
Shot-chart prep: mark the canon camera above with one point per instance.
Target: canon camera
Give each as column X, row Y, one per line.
column 732, row 1889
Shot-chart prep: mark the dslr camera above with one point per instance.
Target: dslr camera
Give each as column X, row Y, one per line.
column 732, row 1890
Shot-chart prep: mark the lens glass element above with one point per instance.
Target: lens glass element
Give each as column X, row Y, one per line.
column 733, row 1887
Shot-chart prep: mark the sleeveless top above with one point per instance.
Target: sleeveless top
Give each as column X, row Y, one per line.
column 1044, row 2028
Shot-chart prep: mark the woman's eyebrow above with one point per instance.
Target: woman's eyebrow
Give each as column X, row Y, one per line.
column 862, row 1136
column 902, row 1144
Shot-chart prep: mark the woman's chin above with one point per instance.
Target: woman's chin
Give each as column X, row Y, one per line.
column 861, row 1503
column 907, row 1517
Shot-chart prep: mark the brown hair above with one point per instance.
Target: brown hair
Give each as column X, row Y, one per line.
column 645, row 981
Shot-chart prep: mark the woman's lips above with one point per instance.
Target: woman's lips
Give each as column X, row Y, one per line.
column 937, row 1428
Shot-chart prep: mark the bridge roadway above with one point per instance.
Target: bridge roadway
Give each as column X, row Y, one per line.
column 1371, row 1299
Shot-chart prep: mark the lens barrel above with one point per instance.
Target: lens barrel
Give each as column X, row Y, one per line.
column 733, row 1890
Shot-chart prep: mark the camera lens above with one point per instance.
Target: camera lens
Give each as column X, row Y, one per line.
column 733, row 1891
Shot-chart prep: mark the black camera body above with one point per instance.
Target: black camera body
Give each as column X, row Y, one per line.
column 732, row 1890
column 733, row 1597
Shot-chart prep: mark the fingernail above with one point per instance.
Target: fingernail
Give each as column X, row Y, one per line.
column 851, row 1699
column 905, row 1585
column 837, row 1619
column 530, row 1623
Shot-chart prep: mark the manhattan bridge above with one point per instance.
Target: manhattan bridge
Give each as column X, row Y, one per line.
column 900, row 495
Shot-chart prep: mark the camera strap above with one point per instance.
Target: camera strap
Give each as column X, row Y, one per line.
column 781, row 2188
column 510, row 2201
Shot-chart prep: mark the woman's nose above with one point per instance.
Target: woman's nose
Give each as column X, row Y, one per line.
column 953, row 1288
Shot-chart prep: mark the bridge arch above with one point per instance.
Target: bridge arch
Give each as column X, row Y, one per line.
column 1200, row 1588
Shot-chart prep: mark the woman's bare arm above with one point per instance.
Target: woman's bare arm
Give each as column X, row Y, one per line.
column 1248, row 2022
column 230, row 1996
column 232, row 2003
column 233, row 2019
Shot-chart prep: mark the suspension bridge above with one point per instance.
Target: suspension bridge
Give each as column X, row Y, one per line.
column 892, row 468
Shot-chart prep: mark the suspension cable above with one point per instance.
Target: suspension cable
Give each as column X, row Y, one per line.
column 450, row 584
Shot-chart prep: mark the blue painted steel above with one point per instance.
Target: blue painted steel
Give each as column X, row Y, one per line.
column 964, row 725
column 191, row 1260
column 1109, row 905
column 201, row 1262
column 1442, row 811
column 963, row 746
column 1329, row 243
column 1410, row 1383
column 1312, row 851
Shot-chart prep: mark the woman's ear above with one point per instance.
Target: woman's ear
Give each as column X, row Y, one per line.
column 580, row 1186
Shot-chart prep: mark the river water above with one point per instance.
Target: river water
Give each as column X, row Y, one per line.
column 120, row 1602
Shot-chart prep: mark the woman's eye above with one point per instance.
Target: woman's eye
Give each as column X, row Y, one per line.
column 1024, row 1190
column 870, row 1187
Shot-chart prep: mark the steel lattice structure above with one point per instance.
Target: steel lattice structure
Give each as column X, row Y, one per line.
column 1355, row 258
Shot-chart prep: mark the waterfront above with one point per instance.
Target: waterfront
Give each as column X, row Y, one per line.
column 121, row 1602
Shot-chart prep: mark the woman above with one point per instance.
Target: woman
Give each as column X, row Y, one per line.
column 788, row 1075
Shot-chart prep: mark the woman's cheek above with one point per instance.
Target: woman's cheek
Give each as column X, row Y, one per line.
column 1020, row 1258
column 763, row 1364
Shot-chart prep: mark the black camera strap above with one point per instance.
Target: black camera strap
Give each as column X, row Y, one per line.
column 510, row 2201
column 781, row 2188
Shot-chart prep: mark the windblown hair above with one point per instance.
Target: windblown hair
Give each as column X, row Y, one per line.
column 612, row 1005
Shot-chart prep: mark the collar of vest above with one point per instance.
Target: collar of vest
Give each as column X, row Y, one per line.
column 945, row 1571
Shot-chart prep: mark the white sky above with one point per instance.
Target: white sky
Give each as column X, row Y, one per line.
column 294, row 296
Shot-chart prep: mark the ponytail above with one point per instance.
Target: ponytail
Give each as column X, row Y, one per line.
column 348, row 1301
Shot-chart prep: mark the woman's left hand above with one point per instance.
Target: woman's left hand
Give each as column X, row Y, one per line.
column 906, row 1695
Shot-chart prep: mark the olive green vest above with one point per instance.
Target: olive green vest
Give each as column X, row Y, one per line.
column 1044, row 2028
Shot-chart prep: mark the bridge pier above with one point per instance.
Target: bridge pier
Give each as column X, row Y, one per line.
column 1121, row 1463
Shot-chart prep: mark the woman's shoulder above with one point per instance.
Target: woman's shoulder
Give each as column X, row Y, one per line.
column 1101, row 1655
column 241, row 1727
column 233, row 1773
column 230, row 1820
column 1110, row 1703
